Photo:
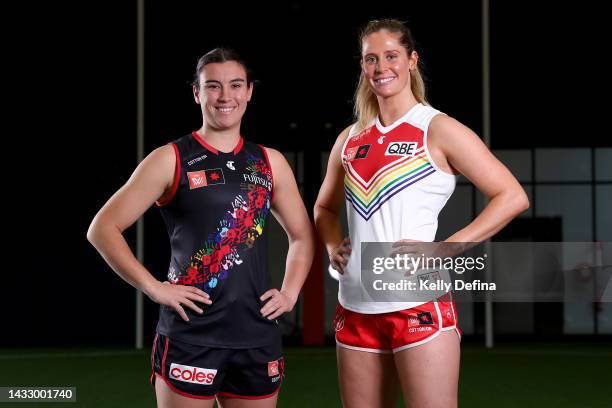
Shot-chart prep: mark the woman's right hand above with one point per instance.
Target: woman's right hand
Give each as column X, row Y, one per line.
column 337, row 259
column 177, row 296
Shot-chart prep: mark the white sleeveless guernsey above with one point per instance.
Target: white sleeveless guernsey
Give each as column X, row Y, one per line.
column 393, row 191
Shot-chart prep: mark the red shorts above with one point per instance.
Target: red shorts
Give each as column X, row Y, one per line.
column 394, row 331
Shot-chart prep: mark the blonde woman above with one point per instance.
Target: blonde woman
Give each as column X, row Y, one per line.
column 395, row 169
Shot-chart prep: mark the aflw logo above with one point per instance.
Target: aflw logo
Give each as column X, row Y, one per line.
column 196, row 179
column 401, row 149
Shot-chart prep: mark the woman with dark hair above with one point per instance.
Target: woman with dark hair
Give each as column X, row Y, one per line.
column 217, row 335
column 395, row 169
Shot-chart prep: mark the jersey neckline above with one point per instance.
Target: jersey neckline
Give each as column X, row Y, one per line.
column 212, row 149
column 386, row 129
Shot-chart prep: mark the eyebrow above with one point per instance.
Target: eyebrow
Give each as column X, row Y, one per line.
column 208, row 81
column 384, row 52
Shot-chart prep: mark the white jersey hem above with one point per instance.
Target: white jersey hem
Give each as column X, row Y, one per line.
column 397, row 306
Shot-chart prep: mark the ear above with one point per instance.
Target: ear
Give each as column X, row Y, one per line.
column 250, row 92
column 196, row 94
column 413, row 60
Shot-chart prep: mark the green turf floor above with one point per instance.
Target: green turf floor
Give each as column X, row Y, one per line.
column 522, row 376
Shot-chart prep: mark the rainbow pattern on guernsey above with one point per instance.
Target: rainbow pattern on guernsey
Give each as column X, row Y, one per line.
column 367, row 197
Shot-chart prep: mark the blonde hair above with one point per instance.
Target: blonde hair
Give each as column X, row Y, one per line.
column 366, row 105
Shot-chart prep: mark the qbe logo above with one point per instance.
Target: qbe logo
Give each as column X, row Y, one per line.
column 194, row 375
column 401, row 149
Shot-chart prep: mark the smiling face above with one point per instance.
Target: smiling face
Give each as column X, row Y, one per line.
column 223, row 93
column 386, row 64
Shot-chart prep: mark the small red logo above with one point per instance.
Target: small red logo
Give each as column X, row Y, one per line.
column 273, row 368
column 197, row 179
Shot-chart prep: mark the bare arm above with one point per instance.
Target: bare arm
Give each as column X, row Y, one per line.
column 329, row 203
column 151, row 181
column 456, row 145
column 288, row 208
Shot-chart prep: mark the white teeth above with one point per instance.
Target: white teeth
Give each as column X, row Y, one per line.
column 384, row 80
column 225, row 110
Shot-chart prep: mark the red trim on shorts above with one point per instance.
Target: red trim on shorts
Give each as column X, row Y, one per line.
column 177, row 179
column 364, row 349
column 164, row 358
column 184, row 394
column 249, row 397
column 153, row 359
column 418, row 343
column 271, row 172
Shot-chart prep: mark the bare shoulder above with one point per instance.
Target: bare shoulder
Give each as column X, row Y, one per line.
column 276, row 158
column 340, row 140
column 157, row 168
column 161, row 159
column 163, row 154
column 446, row 132
column 345, row 133
column 444, row 126
column 447, row 139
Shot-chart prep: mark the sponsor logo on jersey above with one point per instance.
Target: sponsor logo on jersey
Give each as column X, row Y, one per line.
column 255, row 179
column 197, row 159
column 205, row 178
column 401, row 149
column 355, row 153
column 194, row 375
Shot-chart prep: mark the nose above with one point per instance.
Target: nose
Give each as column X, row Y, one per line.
column 223, row 94
column 381, row 65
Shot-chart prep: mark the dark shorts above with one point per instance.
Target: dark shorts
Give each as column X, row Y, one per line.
column 205, row 372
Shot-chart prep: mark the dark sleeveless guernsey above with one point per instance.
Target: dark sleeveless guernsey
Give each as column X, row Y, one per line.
column 216, row 218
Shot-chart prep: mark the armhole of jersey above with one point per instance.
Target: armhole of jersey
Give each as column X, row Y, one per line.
column 350, row 135
column 263, row 149
column 177, row 179
column 426, row 148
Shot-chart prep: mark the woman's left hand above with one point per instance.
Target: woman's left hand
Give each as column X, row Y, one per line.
column 278, row 304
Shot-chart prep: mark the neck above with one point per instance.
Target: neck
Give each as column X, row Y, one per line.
column 396, row 106
column 223, row 140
